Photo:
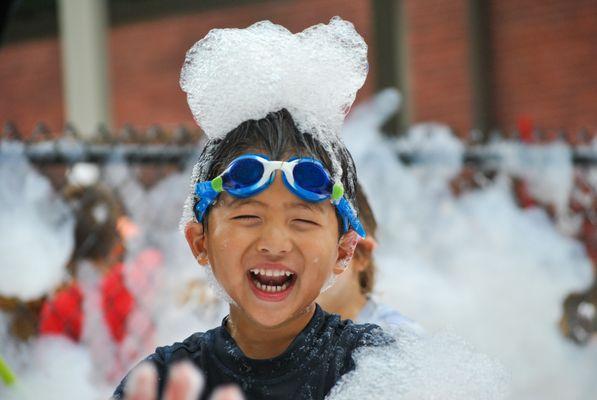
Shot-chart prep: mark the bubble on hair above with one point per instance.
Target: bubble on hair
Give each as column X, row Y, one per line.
column 234, row 75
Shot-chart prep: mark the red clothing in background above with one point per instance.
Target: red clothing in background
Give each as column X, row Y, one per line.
column 63, row 313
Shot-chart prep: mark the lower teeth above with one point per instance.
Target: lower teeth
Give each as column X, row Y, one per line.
column 269, row 289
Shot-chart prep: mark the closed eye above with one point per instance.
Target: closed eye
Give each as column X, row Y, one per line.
column 307, row 221
column 246, row 217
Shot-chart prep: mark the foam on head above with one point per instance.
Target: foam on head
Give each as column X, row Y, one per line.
column 237, row 75
column 234, row 75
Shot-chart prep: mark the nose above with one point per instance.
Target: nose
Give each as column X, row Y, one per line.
column 274, row 240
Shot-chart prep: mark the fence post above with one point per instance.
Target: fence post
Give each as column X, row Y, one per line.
column 84, row 63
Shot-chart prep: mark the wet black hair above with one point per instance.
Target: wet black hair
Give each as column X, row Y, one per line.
column 277, row 137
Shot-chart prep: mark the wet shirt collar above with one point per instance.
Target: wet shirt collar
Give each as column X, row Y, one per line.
column 303, row 348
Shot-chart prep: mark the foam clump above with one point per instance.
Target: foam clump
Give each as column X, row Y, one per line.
column 423, row 367
column 453, row 258
column 62, row 370
column 547, row 169
column 37, row 231
column 234, row 75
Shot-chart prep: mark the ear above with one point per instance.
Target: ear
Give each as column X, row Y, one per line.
column 363, row 253
column 346, row 246
column 197, row 241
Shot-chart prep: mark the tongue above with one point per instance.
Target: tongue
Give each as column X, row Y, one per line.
column 272, row 280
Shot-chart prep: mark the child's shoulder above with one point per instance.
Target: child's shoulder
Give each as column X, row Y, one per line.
column 190, row 347
column 356, row 335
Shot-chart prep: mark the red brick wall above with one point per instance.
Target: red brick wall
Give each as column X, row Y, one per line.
column 146, row 58
column 544, row 58
column 31, row 84
column 545, row 62
column 438, row 61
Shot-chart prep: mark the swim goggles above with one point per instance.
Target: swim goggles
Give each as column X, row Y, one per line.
column 250, row 174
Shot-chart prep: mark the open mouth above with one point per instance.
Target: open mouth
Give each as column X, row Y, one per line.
column 270, row 284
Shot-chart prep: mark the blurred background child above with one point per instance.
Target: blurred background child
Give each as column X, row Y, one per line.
column 351, row 296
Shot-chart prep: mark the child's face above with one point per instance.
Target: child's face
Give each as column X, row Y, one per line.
column 277, row 233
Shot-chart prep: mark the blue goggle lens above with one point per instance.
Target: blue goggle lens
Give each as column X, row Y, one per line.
column 310, row 176
column 243, row 173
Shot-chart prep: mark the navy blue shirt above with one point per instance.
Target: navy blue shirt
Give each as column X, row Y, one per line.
column 308, row 369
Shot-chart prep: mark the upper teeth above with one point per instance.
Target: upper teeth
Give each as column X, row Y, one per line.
column 270, row 272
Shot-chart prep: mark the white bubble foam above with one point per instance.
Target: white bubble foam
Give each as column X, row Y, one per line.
column 428, row 367
column 59, row 369
column 494, row 273
column 547, row 169
column 37, row 231
column 234, row 75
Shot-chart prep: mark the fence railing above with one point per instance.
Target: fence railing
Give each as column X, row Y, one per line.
column 156, row 145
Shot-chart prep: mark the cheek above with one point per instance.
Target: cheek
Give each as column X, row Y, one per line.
column 225, row 247
column 323, row 258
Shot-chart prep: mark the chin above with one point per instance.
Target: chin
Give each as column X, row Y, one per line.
column 273, row 315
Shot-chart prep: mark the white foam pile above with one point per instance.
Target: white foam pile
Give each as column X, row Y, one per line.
column 36, row 229
column 440, row 366
column 233, row 75
column 546, row 168
column 180, row 295
column 58, row 369
column 491, row 272
column 174, row 300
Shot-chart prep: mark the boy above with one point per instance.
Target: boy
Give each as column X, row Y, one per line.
column 272, row 216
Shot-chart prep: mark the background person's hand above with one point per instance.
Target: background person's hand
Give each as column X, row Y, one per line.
column 185, row 382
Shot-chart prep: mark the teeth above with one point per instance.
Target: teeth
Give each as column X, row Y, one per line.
column 270, row 272
column 269, row 288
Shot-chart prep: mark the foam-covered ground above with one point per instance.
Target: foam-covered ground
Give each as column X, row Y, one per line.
column 483, row 277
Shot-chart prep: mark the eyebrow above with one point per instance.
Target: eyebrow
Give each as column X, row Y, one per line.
column 308, row 206
column 238, row 202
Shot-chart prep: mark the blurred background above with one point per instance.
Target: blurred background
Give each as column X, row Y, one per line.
column 470, row 64
column 475, row 137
